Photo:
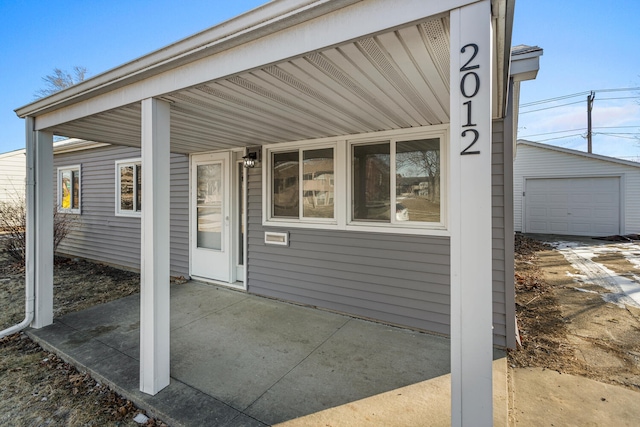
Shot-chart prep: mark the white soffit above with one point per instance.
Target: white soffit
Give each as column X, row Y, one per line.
column 393, row 80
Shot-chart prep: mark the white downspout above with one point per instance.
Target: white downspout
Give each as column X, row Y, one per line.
column 30, row 234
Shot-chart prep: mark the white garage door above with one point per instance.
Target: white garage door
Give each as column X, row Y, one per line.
column 573, row 206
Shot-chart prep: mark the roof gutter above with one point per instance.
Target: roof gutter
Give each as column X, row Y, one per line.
column 252, row 25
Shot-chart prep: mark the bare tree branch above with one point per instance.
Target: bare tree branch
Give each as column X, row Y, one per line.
column 61, row 79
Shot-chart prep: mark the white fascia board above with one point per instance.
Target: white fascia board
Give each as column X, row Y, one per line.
column 278, row 40
column 525, row 68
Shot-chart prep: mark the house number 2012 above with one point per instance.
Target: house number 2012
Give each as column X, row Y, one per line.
column 469, row 87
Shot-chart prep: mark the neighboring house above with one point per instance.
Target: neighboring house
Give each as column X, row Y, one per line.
column 12, row 175
column 350, row 110
column 13, row 167
column 563, row 191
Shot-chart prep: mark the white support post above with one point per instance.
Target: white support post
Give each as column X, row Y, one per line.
column 39, row 232
column 470, row 216
column 154, row 263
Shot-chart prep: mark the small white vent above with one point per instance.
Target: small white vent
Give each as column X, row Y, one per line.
column 273, row 238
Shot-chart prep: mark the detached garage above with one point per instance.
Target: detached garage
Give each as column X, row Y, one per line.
column 563, row 191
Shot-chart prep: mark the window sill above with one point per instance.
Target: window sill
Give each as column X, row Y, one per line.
column 433, row 230
column 129, row 215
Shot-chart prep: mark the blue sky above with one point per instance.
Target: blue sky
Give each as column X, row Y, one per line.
column 587, row 46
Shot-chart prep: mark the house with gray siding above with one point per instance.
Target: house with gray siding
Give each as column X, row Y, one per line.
column 352, row 156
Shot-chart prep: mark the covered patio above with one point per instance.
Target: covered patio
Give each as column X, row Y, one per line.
column 287, row 72
column 242, row 360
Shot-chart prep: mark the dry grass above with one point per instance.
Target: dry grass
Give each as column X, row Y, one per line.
column 38, row 388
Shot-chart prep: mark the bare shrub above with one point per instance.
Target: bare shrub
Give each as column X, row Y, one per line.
column 13, row 224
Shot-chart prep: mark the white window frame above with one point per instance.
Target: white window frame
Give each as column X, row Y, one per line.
column 301, row 218
column 61, row 171
column 120, row 164
column 343, row 188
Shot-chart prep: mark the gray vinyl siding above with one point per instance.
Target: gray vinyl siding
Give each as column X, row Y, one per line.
column 500, row 257
column 105, row 237
column 399, row 279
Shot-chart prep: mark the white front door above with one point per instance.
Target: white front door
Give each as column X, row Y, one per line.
column 211, row 251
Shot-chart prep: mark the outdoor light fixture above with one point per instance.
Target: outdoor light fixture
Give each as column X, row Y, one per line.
column 250, row 159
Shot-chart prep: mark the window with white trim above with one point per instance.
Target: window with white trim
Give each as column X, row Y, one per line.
column 396, row 181
column 129, row 187
column 313, row 197
column 390, row 181
column 69, row 193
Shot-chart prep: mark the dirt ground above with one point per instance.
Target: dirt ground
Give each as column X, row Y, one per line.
column 36, row 387
column 566, row 325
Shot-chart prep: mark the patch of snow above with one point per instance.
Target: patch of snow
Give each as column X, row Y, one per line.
column 586, row 290
column 141, row 418
column 561, row 244
column 622, row 290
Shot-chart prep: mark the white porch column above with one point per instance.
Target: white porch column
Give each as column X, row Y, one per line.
column 154, row 261
column 470, row 216
column 39, row 233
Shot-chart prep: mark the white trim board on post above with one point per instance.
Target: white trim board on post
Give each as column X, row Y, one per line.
column 470, row 216
column 154, row 261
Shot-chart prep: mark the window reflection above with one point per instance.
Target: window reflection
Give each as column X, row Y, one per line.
column 318, row 183
column 285, row 184
column 371, row 182
column 418, row 180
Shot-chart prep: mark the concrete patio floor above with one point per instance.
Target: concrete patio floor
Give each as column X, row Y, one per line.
column 242, row 360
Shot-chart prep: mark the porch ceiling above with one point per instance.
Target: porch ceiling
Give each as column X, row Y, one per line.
column 393, row 80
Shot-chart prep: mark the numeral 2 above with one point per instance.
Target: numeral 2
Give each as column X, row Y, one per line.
column 476, row 135
column 466, row 66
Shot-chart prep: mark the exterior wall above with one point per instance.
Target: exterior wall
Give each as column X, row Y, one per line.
column 400, row 279
column 12, row 175
column 536, row 162
column 105, row 237
column 499, row 171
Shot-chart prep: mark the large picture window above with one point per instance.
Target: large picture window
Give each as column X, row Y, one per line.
column 411, row 167
column 384, row 181
column 128, row 187
column 69, row 189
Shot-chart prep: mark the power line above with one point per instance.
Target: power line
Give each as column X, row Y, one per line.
column 573, row 95
column 548, row 108
column 561, row 137
column 583, row 129
column 615, row 135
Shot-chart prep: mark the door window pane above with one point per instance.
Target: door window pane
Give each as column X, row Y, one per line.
column 418, row 180
column 209, row 206
column 371, row 182
column 318, row 183
column 285, row 185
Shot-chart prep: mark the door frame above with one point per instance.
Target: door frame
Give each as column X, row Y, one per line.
column 234, row 221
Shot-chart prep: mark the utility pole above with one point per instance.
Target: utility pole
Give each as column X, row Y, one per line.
column 590, row 99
